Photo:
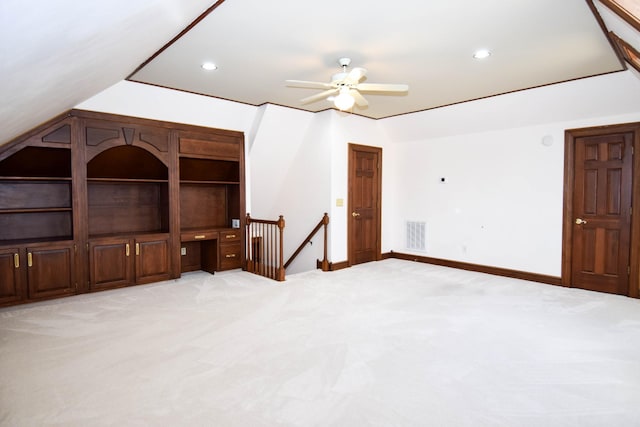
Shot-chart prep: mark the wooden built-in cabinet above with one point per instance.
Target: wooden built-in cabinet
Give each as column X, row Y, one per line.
column 37, row 251
column 37, row 271
column 211, row 194
column 93, row 201
column 123, row 261
column 128, row 205
column 230, row 250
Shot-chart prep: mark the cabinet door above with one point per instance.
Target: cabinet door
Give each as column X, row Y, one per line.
column 152, row 259
column 50, row 270
column 11, row 268
column 110, row 263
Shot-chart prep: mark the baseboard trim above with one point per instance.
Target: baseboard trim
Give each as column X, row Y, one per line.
column 496, row 271
column 333, row 266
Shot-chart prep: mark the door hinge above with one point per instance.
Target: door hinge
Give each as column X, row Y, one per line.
column 75, row 250
column 628, row 270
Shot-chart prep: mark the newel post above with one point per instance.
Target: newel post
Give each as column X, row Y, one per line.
column 248, row 248
column 325, row 261
column 280, row 224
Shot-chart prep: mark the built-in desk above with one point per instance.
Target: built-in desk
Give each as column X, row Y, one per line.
column 210, row 250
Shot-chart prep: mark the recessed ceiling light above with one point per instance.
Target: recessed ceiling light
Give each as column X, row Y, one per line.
column 209, row 66
column 481, row 54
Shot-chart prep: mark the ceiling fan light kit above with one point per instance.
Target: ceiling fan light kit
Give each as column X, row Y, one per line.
column 347, row 86
column 344, row 101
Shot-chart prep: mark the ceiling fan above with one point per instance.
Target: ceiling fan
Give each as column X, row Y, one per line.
column 345, row 87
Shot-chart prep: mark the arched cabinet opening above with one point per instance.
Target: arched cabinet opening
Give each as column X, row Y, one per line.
column 128, row 192
column 128, row 218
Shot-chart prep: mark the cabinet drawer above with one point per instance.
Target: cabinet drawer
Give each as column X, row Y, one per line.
column 229, row 236
column 198, row 235
column 230, row 256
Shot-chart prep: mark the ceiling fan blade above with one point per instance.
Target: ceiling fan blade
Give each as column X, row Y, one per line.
column 355, row 75
column 360, row 100
column 319, row 96
column 382, row 87
column 310, row 85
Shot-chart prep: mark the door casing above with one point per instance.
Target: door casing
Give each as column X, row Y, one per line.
column 378, row 214
column 568, row 215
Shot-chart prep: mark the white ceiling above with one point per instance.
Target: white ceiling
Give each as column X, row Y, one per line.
column 54, row 55
column 428, row 45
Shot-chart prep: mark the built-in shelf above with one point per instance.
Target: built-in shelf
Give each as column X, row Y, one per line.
column 23, row 242
column 130, row 234
column 195, row 230
column 36, row 196
column 34, row 210
column 34, row 178
column 210, row 182
column 128, row 180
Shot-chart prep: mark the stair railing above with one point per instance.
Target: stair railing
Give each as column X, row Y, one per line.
column 264, row 248
column 324, row 263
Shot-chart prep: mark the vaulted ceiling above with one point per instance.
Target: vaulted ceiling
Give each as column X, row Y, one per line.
column 57, row 54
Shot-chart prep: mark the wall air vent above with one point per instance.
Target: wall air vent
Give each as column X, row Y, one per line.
column 417, row 235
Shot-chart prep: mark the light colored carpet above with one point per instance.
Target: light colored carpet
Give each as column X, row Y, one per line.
column 391, row 343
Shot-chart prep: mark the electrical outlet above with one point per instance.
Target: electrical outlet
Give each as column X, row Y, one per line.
column 183, row 251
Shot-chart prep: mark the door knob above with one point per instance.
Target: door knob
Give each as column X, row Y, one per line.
column 355, row 214
column 580, row 221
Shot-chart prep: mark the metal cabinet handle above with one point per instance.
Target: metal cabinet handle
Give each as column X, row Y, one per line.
column 580, row 221
column 230, row 256
column 231, row 236
column 126, row 249
column 30, row 259
column 355, row 214
column 137, row 248
column 200, row 236
column 16, row 260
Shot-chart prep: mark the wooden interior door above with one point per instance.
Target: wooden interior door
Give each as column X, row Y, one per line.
column 365, row 193
column 601, row 211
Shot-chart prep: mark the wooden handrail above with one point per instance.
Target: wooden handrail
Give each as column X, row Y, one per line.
column 323, row 223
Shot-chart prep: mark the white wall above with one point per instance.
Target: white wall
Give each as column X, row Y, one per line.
column 150, row 102
column 592, row 98
column 502, row 201
column 299, row 169
column 501, row 206
column 348, row 128
column 291, row 167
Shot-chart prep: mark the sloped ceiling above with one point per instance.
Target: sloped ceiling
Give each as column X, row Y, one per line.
column 57, row 54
